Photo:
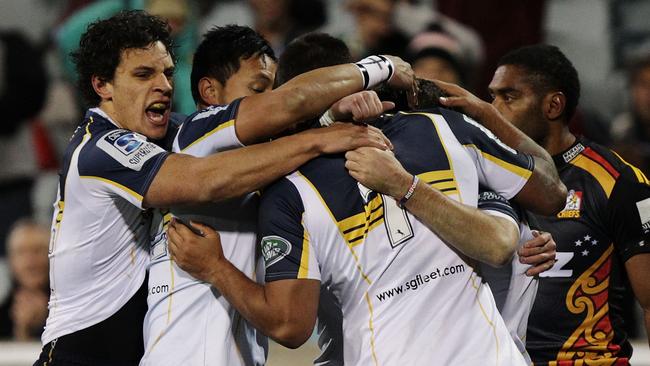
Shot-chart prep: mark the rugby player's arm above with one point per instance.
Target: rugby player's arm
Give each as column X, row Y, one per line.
column 489, row 239
column 637, row 269
column 284, row 310
column 183, row 179
column 304, row 97
column 545, row 177
column 486, row 238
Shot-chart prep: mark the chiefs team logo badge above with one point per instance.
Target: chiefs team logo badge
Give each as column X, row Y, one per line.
column 572, row 208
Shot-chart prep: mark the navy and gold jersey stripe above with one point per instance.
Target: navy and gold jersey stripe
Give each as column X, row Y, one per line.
column 206, row 123
column 356, row 228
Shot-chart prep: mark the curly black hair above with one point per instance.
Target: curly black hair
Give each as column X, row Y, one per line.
column 221, row 51
column 548, row 69
column 101, row 46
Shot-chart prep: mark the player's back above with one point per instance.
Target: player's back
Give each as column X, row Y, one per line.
column 406, row 297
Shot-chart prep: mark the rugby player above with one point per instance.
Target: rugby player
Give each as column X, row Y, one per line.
column 320, row 226
column 113, row 171
column 231, row 63
column 601, row 233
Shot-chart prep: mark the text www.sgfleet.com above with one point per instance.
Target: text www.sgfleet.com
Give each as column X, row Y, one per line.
column 420, row 280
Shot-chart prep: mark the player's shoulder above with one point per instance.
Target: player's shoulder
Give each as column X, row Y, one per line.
column 603, row 163
column 111, row 149
column 282, row 194
column 469, row 132
column 206, row 121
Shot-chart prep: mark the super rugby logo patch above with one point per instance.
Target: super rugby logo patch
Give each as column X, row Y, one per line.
column 128, row 143
column 572, row 206
column 129, row 148
column 274, row 248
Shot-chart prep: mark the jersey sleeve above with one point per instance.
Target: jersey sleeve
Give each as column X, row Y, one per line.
column 285, row 242
column 208, row 131
column 121, row 163
column 499, row 167
column 494, row 204
column 628, row 217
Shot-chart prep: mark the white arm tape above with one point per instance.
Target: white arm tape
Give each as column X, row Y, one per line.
column 375, row 70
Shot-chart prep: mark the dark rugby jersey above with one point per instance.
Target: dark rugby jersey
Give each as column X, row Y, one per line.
column 606, row 221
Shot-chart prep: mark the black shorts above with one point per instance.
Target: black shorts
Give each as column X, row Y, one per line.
column 52, row 356
column 116, row 341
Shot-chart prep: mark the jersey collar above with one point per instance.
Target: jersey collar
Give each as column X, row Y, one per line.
column 103, row 114
column 566, row 156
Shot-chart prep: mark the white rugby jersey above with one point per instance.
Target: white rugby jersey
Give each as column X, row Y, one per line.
column 188, row 321
column 509, row 284
column 100, row 232
column 513, row 290
column 406, row 297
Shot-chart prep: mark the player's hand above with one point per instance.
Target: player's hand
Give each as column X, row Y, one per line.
column 378, row 170
column 464, row 101
column 539, row 252
column 198, row 255
column 342, row 137
column 360, row 107
column 404, row 78
column 28, row 312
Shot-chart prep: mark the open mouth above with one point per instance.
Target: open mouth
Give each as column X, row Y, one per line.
column 157, row 112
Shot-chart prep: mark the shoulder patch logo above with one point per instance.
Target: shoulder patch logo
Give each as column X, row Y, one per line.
column 129, row 148
column 644, row 214
column 274, row 248
column 573, row 204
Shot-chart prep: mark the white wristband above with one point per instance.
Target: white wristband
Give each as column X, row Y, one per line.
column 375, row 70
column 326, row 119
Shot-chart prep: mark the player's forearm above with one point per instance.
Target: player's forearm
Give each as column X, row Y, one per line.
column 184, row 179
column 545, row 177
column 544, row 193
column 245, row 170
column 489, row 239
column 252, row 302
column 301, row 98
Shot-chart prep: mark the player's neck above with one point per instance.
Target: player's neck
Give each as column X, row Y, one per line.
column 108, row 108
column 559, row 138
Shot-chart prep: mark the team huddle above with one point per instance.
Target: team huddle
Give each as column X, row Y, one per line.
column 406, row 219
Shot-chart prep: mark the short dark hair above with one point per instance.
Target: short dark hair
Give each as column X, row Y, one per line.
column 316, row 50
column 221, row 51
column 549, row 69
column 308, row 52
column 100, row 48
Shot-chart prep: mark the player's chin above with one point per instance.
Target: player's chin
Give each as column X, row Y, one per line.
column 156, row 129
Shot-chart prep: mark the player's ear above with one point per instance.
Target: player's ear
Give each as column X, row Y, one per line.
column 210, row 90
column 102, row 87
column 554, row 105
